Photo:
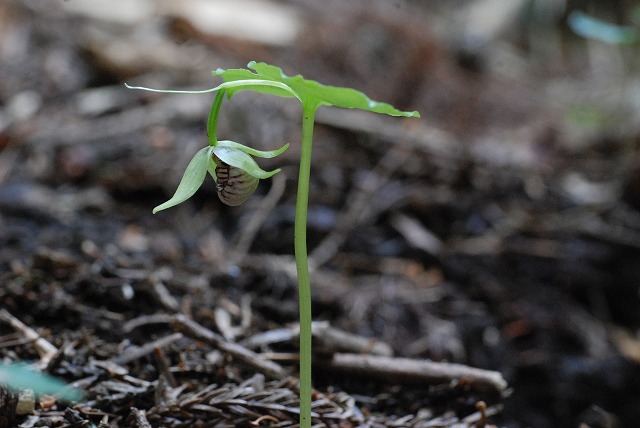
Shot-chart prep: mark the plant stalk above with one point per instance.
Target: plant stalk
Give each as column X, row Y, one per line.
column 212, row 120
column 302, row 266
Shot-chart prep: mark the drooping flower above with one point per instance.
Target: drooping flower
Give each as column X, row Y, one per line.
column 232, row 167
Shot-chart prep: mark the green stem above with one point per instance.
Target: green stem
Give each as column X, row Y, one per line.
column 302, row 266
column 212, row 121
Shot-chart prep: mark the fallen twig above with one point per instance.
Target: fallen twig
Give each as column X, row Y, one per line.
column 46, row 350
column 326, row 339
column 144, row 320
column 134, row 353
column 409, row 371
column 163, row 367
column 197, row 331
column 140, row 418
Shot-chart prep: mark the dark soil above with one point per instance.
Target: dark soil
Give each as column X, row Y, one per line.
column 500, row 232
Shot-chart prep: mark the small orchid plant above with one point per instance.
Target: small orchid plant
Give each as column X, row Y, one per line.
column 237, row 174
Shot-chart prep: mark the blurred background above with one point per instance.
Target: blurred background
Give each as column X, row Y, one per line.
column 501, row 230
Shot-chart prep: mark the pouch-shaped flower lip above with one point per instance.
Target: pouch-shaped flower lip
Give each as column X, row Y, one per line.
column 234, row 185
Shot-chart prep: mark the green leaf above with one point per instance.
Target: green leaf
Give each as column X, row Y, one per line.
column 19, row 376
column 253, row 152
column 311, row 93
column 240, row 159
column 191, row 180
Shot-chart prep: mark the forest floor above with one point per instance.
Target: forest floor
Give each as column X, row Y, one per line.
column 478, row 266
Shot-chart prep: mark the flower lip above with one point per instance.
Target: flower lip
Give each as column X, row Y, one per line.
column 234, row 185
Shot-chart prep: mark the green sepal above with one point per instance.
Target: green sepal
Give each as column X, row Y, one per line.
column 191, row 180
column 253, row 152
column 235, row 157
